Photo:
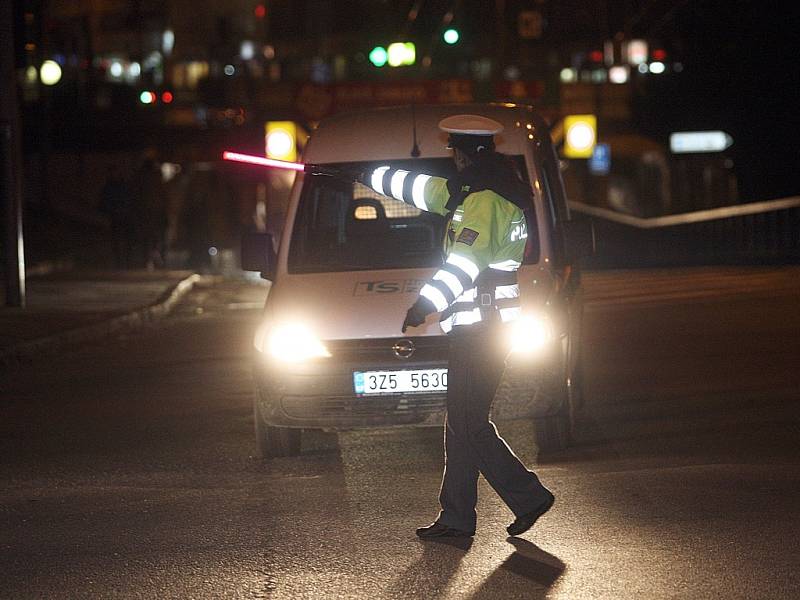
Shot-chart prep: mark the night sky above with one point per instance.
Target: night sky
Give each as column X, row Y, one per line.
column 741, row 75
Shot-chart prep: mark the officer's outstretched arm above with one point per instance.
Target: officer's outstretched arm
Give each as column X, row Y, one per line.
column 426, row 192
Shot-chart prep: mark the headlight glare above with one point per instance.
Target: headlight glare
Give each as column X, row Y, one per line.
column 290, row 342
column 530, row 333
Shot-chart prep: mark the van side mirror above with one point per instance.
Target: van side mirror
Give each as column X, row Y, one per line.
column 258, row 254
column 579, row 239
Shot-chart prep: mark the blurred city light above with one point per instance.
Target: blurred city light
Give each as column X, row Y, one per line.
column 260, row 11
column 115, row 70
column 167, row 97
column 247, row 50
column 451, row 36
column 378, row 56
column 50, row 72
column 579, row 135
column 168, row 41
column 618, row 74
column 281, row 140
column 568, row 75
column 229, row 70
column 637, row 52
column 599, row 76
column 657, row 67
column 147, row 97
column 401, row 54
column 169, row 171
column 685, row 142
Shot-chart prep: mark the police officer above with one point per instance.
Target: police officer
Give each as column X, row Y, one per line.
column 476, row 293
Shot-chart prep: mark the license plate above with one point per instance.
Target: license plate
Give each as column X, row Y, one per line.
column 395, row 382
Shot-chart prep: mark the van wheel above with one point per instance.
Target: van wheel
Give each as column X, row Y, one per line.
column 575, row 393
column 273, row 442
column 552, row 432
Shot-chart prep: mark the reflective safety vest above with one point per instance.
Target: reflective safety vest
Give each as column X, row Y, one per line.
column 483, row 248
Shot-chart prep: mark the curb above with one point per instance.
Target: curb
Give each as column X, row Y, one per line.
column 133, row 320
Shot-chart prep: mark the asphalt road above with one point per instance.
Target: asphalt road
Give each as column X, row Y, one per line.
column 127, row 467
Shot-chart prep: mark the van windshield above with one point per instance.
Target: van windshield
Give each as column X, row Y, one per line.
column 349, row 227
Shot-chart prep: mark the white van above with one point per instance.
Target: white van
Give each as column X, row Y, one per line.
column 329, row 353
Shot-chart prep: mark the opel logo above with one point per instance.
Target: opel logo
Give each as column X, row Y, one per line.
column 403, row 348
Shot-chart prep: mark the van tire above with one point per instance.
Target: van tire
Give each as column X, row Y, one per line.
column 575, row 395
column 552, row 432
column 275, row 442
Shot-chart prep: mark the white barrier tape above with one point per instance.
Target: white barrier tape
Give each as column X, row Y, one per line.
column 698, row 216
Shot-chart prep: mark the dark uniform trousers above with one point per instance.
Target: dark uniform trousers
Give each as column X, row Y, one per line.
column 472, row 445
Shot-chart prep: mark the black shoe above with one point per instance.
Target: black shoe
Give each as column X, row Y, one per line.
column 526, row 521
column 436, row 530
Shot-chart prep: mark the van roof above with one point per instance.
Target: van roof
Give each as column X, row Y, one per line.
column 387, row 133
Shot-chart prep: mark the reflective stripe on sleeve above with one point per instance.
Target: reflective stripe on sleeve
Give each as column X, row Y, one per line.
column 510, row 314
column 398, row 177
column 435, row 296
column 468, row 296
column 440, row 285
column 506, row 265
column 451, row 281
column 467, row 317
column 376, row 181
column 462, row 262
column 464, row 317
column 418, row 191
column 464, row 279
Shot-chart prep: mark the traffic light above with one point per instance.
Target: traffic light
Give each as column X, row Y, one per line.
column 147, row 97
column 451, row 36
column 280, row 140
column 402, row 54
column 580, row 135
column 398, row 54
column 378, row 56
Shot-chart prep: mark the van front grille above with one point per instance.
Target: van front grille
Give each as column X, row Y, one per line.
column 400, row 408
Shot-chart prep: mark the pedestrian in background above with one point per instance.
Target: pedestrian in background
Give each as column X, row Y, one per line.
column 151, row 210
column 117, row 203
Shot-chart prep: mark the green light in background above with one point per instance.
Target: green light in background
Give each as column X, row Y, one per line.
column 451, row 36
column 402, row 54
column 378, row 56
column 147, row 97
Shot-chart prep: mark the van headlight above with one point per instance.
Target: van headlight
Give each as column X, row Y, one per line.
column 530, row 333
column 289, row 342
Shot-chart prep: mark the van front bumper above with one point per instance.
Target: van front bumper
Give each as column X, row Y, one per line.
column 321, row 394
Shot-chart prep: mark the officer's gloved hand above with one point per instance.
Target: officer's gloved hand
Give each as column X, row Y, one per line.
column 417, row 313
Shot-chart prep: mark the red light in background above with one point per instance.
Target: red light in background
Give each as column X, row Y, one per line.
column 596, row 55
column 167, row 97
column 260, row 11
column 659, row 54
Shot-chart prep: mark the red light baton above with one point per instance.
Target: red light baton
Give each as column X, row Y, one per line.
column 326, row 170
column 264, row 162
